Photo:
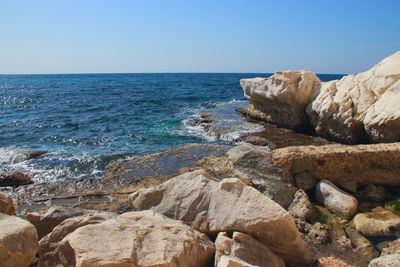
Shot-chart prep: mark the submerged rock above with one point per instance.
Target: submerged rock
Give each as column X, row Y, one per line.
column 142, row 238
column 377, row 223
column 18, row 241
column 213, row 206
column 7, row 204
column 243, row 251
column 335, row 199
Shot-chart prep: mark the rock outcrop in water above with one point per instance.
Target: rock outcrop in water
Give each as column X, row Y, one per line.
column 357, row 108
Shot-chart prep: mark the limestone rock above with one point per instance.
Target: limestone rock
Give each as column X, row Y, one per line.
column 245, row 251
column 386, row 261
column 301, row 207
column 283, row 97
column 45, row 220
column 7, row 204
column 255, row 163
column 377, row 223
column 361, row 245
column 332, row 262
column 213, row 206
column 136, row 239
column 18, row 241
column 362, row 106
column 49, row 243
column 335, row 199
column 392, row 248
column 363, row 164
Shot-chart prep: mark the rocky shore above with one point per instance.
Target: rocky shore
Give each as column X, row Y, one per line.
column 281, row 198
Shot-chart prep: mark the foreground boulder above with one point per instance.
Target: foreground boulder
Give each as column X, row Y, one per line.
column 7, row 204
column 254, row 163
column 335, row 199
column 48, row 255
column 281, row 98
column 136, row 239
column 244, row 251
column 213, row 206
column 341, row 164
column 18, row 241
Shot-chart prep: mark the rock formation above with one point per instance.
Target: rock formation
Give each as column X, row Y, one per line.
column 357, row 108
column 212, row 206
column 7, row 204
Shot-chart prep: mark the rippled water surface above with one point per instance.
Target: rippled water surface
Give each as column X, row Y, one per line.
column 85, row 121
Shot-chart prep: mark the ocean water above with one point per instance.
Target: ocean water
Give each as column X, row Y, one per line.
column 84, row 121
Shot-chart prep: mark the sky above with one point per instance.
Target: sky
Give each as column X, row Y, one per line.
column 129, row 36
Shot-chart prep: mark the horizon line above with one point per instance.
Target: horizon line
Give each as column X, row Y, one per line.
column 93, row 73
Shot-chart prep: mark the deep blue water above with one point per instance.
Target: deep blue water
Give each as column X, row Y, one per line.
column 86, row 120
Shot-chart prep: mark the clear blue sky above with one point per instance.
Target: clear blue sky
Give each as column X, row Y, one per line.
column 86, row 36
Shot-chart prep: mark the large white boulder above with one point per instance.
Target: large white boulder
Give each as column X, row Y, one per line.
column 18, row 241
column 361, row 107
column 213, row 206
column 283, row 97
column 142, row 238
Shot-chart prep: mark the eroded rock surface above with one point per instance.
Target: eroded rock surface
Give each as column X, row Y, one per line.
column 7, row 204
column 377, row 223
column 213, row 206
column 142, row 238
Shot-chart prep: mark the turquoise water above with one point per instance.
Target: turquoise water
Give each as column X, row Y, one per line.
column 85, row 121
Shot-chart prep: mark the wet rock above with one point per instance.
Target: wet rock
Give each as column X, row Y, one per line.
column 33, row 154
column 18, row 241
column 254, row 163
column 136, row 239
column 213, row 206
column 281, row 98
column 335, row 199
column 305, row 181
column 301, row 208
column 46, row 219
column 48, row 244
column 319, row 233
column 392, row 248
column 164, row 163
column 386, row 261
column 14, row 179
column 244, row 251
column 361, row 245
column 377, row 223
column 7, row 204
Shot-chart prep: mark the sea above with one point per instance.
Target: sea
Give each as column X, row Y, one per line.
column 85, row 121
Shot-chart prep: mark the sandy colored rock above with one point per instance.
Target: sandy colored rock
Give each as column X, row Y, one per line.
column 255, row 163
column 283, row 97
column 18, row 241
column 48, row 244
column 7, row 204
column 335, row 199
column 301, row 207
column 213, row 206
column 244, row 251
column 142, row 238
column 392, row 248
column 332, row 262
column 364, row 164
column 386, row 261
column 360, row 107
column 46, row 219
column 377, row 223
